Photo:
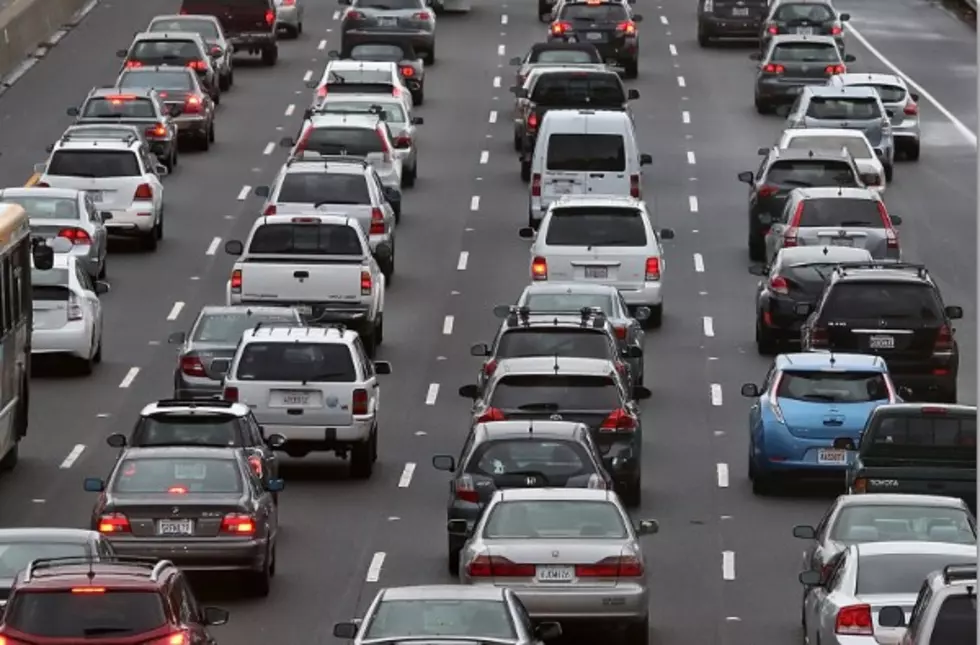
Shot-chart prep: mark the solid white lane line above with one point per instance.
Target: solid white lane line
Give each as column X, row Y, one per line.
column 213, row 246
column 475, row 203
column 691, row 159
column 175, row 310
column 681, row 82
column 307, row 76
column 496, row 81
column 728, row 565
column 290, row 109
column 406, row 478
column 493, row 116
column 243, row 193
column 447, row 325
column 484, row 156
column 709, row 327
column 673, row 50
column 722, row 475
column 432, row 394
column 716, row 399
column 73, row 456
column 501, row 50
column 130, row 377
column 374, row 569
column 692, row 203
column 686, row 116
column 464, row 257
column 503, row 19
column 663, row 19
column 269, row 147
column 699, row 263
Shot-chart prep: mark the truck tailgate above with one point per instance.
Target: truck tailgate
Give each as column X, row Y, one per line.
column 927, row 480
column 282, row 280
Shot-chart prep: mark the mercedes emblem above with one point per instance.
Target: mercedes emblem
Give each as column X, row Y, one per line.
column 556, row 417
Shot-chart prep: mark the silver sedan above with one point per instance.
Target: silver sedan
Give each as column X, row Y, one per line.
column 69, row 214
column 568, row 554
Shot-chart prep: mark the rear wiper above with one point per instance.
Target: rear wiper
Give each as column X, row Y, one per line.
column 856, row 222
column 336, row 202
column 613, row 242
column 543, row 407
column 86, row 175
column 829, row 398
column 797, row 182
column 100, row 631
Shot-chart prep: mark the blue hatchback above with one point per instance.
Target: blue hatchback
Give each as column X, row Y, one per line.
column 807, row 401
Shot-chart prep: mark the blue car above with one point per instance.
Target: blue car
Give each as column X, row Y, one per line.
column 806, row 402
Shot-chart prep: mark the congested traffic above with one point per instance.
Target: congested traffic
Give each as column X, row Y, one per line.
column 272, row 245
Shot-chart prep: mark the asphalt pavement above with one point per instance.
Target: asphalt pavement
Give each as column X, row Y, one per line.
column 724, row 566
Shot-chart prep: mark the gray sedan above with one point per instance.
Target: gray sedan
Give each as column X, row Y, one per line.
column 69, row 214
column 570, row 554
column 398, row 21
column 210, row 30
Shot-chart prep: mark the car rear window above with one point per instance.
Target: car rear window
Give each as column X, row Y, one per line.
column 580, row 343
column 205, row 28
column 807, row 173
column 310, row 362
column 901, row 573
column 568, row 302
column 394, row 112
column 604, row 12
column 378, row 52
column 165, row 50
column 15, row 556
column 551, row 458
column 844, row 108
column 859, row 148
column 841, row 212
column 305, row 239
column 809, row 272
column 805, row 53
column 389, row 5
column 564, row 56
column 578, row 392
column 126, row 107
column 956, row 623
column 42, row 208
column 555, row 519
column 229, row 327
column 895, row 301
column 334, row 140
column 804, row 11
column 93, row 164
column 895, row 523
column 359, row 77
column 832, row 387
column 49, row 278
column 586, row 152
column 172, row 429
column 156, row 79
column 323, row 188
column 583, row 89
column 926, row 431
column 85, row 616
column 596, row 227
column 177, row 476
column 442, row 618
column 888, row 93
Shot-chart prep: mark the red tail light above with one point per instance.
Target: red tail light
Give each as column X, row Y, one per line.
column 652, row 270
column 354, row 15
column 88, row 590
column 612, row 567
column 75, row 235
column 536, row 185
column 42, row 184
column 359, row 402
column 407, row 72
column 492, row 414
column 144, row 192
column 620, row 332
column 157, row 131
column 114, row 523
column 198, row 65
column 270, row 17
column 385, row 147
column 835, row 69
column 133, row 64
column 367, row 283
column 236, row 281
column 377, row 222
column 269, row 210
column 559, row 28
column 819, row 337
column 177, row 490
column 494, row 566
column 836, row 30
column 911, row 109
column 238, row 524
column 539, row 269
column 423, row 15
column 886, row 222
column 778, row 284
column 854, row 621
column 773, row 68
column 403, row 141
column 192, row 104
column 489, row 367
column 767, row 190
column 256, row 465
column 790, row 236
column 931, row 410
column 532, row 121
column 944, row 340
column 466, row 491
column 307, row 131
column 288, row 3
column 192, row 366
column 773, row 29
column 628, row 27
column 619, row 421
column 230, row 394
column 177, row 638
column 321, row 91
column 635, row 186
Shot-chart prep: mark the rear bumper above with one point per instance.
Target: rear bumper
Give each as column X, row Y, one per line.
column 252, row 40
column 189, row 387
column 626, row 602
column 74, row 339
column 786, row 91
column 198, row 554
column 191, row 125
column 138, row 219
column 419, row 40
column 714, row 26
column 318, row 437
column 647, row 294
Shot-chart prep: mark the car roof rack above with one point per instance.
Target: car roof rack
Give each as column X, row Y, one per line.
column 918, row 269
column 373, row 109
column 959, row 572
column 521, row 315
column 82, row 135
column 155, row 565
column 311, row 155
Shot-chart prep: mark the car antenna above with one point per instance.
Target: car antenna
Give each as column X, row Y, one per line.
column 91, row 572
column 556, row 362
column 833, row 360
column 826, row 250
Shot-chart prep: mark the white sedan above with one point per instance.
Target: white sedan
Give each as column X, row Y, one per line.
column 834, row 139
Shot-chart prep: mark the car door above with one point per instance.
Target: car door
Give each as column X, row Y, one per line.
column 89, row 299
column 99, row 235
column 255, row 441
column 777, row 229
column 815, row 602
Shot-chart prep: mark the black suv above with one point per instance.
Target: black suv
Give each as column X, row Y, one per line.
column 895, row 311
column 781, row 171
column 609, row 25
column 729, row 19
column 249, row 25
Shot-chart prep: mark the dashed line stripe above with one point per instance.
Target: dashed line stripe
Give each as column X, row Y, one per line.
column 709, row 326
column 692, row 203
column 686, row 116
column 243, row 193
column 130, row 377
column 716, row 399
column 691, row 159
column 475, row 203
column 406, row 479
column 722, row 473
column 681, row 82
column 663, row 19
column 447, row 325
column 307, row 76
column 175, row 310
column 673, row 49
column 269, row 147
column 73, row 456
column 374, row 569
column 728, row 565
column 432, row 394
column 484, row 156
column 290, row 109
column 464, row 258
column 699, row 263
column 501, row 50
column 493, row 116
column 213, row 246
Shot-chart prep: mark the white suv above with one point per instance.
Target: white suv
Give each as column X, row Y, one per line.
column 315, row 386
column 602, row 240
column 360, row 77
column 121, row 175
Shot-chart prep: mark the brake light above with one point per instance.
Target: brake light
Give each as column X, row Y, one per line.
column 236, row 281
column 230, row 394
column 652, row 270
column 9, row 641
column 819, row 337
column 539, row 269
column 932, row 410
column 377, row 222
column 790, row 235
column 355, row 15
column 773, row 29
column 944, row 340
column 192, row 366
column 836, row 30
column 489, row 367
column 144, row 192
column 536, row 185
column 620, row 332
column 611, row 567
column 619, row 421
column 114, row 523
column 198, row 65
column 192, row 104
column 308, row 130
column 835, row 69
column 159, row 130
column 778, row 284
column 288, row 3
column 559, row 28
column 854, row 621
column 359, row 402
column 403, row 140
column 886, row 222
column 178, row 638
column 74, row 309
column 177, row 490
column 911, row 109
column 494, row 566
column 768, row 190
column 366, row 283
column 88, row 589
column 75, row 235
column 133, row 64
column 321, row 91
column 385, row 147
column 635, row 186
column 269, row 210
column 466, row 491
column 424, row 16
column 532, row 121
column 270, row 17
column 860, row 485
column 772, row 68
column 628, row 27
column 407, row 72
column 238, row 524
column 256, row 465
column 492, row 414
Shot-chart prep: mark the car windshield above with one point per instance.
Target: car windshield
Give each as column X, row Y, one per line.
column 441, row 618
column 165, row 50
column 906, row 523
column 173, row 429
column 812, row 173
column 564, row 56
column 159, row 80
column 901, row 573
column 604, row 12
column 586, row 152
column 205, row 28
column 552, row 341
column 545, row 302
column 121, row 107
column 956, row 623
column 93, row 164
column 227, row 328
column 15, row 556
column 805, row 53
column 305, row 239
column 832, row 387
column 378, row 52
column 177, row 476
column 858, row 147
column 553, row 459
column 842, row 212
column 827, row 108
column 809, row 12
column 297, row 362
column 112, row 613
column 323, row 188
column 888, row 93
column 555, row 519
column 883, row 301
column 592, row 227
column 394, row 112
column 579, row 392
column 332, row 140
column 42, row 207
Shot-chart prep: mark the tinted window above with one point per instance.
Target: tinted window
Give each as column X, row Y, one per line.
column 557, row 459
column 323, row 188
column 125, row 107
column 50, row 294
column 812, row 173
column 857, row 146
column 611, row 12
column 596, row 227
column 157, row 80
column 360, row 76
column 956, row 623
column 229, row 327
column 805, row 53
column 41, row 208
column 586, row 152
column 168, row 50
column 379, row 52
column 568, row 301
column 389, row 5
column 926, row 431
column 183, row 430
column 205, row 28
column 564, row 56
column 888, row 93
column 841, row 212
column 441, row 618
column 569, row 89
column 189, row 475
column 358, row 142
column 891, row 300
column 848, row 109
column 93, row 163
column 305, row 239
column 550, row 342
column 833, row 387
column 394, row 112
column 567, row 392
column 51, row 277
column 808, row 11
column 313, row 362
column 901, row 574
column 15, row 556
column 808, row 273
column 905, row 523
column 81, row 616
column 554, row 519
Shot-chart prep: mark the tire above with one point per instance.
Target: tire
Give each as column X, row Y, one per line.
column 408, row 179
column 525, row 171
column 379, row 330
column 757, row 249
column 104, row 269
column 97, row 358
column 150, row 241
column 761, row 484
column 765, row 344
column 217, row 95
column 517, row 142
column 211, row 132
column 912, row 151
column 430, row 56
column 260, row 582
column 704, row 40
column 370, row 344
column 763, row 108
column 171, row 161
column 632, row 495
column 452, row 556
column 656, row 319
column 231, row 78
column 270, row 56
column 224, row 82
column 889, row 172
column 418, row 97
column 362, row 457
column 204, row 142
column 631, row 69
column 638, row 633
column 9, row 461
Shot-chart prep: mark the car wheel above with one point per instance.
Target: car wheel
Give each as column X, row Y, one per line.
column 525, row 171
column 889, row 172
column 656, row 319
column 765, row 344
column 912, row 152
column 211, row 132
column 224, row 82
column 9, row 461
column 103, row 269
column 761, row 483
column 638, row 633
column 704, row 40
column 762, row 108
column 97, row 357
column 361, row 464
column 631, row 68
column 430, row 56
column 408, row 179
column 452, row 556
column 757, row 249
column 85, row 365
column 379, row 330
column 260, row 582
column 270, row 55
column 150, row 240
column 418, row 98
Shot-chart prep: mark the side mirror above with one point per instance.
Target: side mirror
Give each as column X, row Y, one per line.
column 915, row 96
column 666, row 233
column 804, row 532
column 72, row 111
column 891, row 616
column 216, row 51
column 457, row 527
column 382, row 367
column 803, row 308
column 783, row 111
column 417, row 120
column 632, row 95
column 161, row 170
column 897, row 220
column 94, row 485
column 175, row 111
column 954, row 312
column 220, row 366
column 275, row 441
column 287, row 142
column 105, row 215
column 844, row 17
column 275, row 485
column 746, row 177
column 215, row 616
column 519, row 92
column 890, row 113
column 870, row 178
column 444, row 462
column 762, row 152
column 750, row 390
column 234, row 247
column 102, row 287
column 844, row 443
column 647, row 527
column 637, row 18
column 43, row 257
column 49, row 147
column 850, row 58
column 345, row 630
column 122, row 53
column 502, row 311
column 810, row 578
column 261, row 191
column 39, row 168
column 526, row 233
column 759, row 270
column 633, row 352
column 547, row 631
column 755, row 56
column 645, row 160
column 515, row 62
column 641, row 393
column 177, row 338
column 642, row 313
column 469, row 392
column 480, row 349
column 116, row 440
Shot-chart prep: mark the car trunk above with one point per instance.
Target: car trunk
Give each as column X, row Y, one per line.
column 50, row 229
column 50, row 304
column 851, row 237
column 870, row 127
column 163, row 515
column 823, row 421
column 810, row 72
column 551, row 571
column 207, row 354
column 587, row 163
column 235, row 16
column 740, row 9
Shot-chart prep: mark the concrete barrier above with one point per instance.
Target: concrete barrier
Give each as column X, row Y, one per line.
column 26, row 29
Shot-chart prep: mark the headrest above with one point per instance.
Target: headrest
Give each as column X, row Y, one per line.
column 944, row 533
column 862, row 534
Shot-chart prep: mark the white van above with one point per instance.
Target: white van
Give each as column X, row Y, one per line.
column 584, row 152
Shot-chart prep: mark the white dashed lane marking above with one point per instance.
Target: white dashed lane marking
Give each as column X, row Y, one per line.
column 493, row 116
column 681, row 82
column 307, row 76
column 447, row 325
column 673, row 49
column 722, row 472
column 290, row 109
column 484, row 156
column 406, row 478
column 269, row 147
column 213, row 246
column 175, row 310
column 692, row 203
column 336, row 15
column 686, row 116
column 501, row 50
column 243, row 193
column 709, row 326
column 728, row 565
column 496, row 81
column 475, row 203
column 503, row 19
column 432, row 394
column 699, row 263
column 691, row 159
column 464, row 257
column 716, row 399
column 663, row 19
column 130, row 377
column 374, row 569
column 73, row 456
column 320, row 46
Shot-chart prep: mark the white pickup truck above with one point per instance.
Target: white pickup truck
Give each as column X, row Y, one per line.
column 320, row 264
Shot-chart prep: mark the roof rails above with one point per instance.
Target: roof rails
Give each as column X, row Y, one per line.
column 312, row 155
column 515, row 315
column 193, row 403
column 919, row 269
column 104, row 135
column 278, row 323
column 959, row 573
column 373, row 109
column 155, row 565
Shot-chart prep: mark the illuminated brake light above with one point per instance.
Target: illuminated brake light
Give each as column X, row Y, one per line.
column 539, row 269
column 778, row 284
column 133, row 64
column 836, row 30
column 628, row 28
column 773, row 29
column 236, row 281
column 359, row 402
column 192, row 104
column 238, row 524
column 767, row 190
column 772, row 68
column 835, row 69
column 256, row 465
column 270, row 17
column 321, row 91
column 560, row 28
column 177, row 490
column 366, row 283
column 407, row 72
column 532, row 121
column 618, row 421
column 144, row 193
column 179, row 638
column 489, row 367
column 377, row 222
column 620, row 332
column 198, row 65
column 269, row 210
column 113, row 523
column 424, row 16
column 652, row 270
column 88, row 589
column 75, row 235
column 157, row 131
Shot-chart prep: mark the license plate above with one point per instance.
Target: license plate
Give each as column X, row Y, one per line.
column 553, row 573
column 175, row 527
column 387, row 22
column 836, row 457
column 296, row 398
column 842, row 241
column 804, row 31
column 594, row 36
column 599, row 273
column 561, row 189
column 740, row 12
column 881, row 342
